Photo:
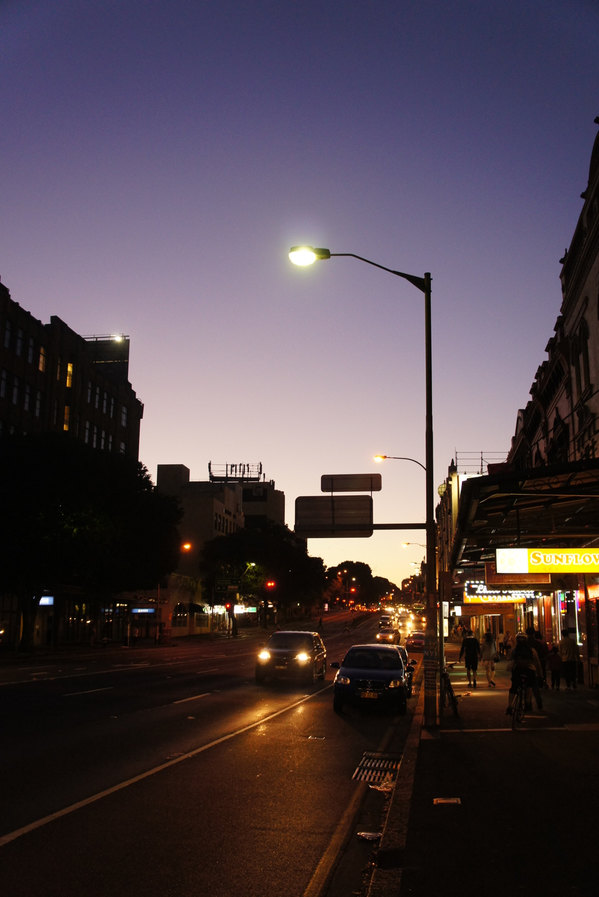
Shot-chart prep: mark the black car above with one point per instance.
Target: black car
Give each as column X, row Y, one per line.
column 371, row 675
column 292, row 654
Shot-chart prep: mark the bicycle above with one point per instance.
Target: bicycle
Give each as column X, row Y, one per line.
column 447, row 693
column 519, row 705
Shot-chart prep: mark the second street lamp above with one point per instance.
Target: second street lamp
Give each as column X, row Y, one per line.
column 307, row 255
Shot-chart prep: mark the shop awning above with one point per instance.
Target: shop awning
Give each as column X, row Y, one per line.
column 543, row 506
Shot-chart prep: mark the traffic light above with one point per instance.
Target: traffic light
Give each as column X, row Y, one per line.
column 270, row 584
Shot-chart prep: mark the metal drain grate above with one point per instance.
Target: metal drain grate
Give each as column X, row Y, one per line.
column 377, row 768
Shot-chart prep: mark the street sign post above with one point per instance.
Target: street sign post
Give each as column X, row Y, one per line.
column 326, row 516
column 351, row 482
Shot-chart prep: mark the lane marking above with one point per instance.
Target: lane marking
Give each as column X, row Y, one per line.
column 88, row 801
column 193, row 698
column 90, row 691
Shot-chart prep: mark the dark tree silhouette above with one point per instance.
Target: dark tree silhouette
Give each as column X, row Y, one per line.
column 79, row 518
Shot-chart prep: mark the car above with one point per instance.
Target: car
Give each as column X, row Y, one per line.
column 370, row 676
column 388, row 636
column 415, row 641
column 292, row 654
column 385, row 621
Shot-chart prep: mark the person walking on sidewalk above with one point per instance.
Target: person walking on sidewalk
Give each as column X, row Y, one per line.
column 525, row 664
column 554, row 664
column 470, row 651
column 570, row 655
column 487, row 655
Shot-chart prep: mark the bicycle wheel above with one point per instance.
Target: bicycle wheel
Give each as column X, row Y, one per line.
column 518, row 710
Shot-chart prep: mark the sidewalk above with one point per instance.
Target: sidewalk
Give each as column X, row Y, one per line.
column 480, row 809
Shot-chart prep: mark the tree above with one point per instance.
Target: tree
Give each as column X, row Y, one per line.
column 278, row 556
column 368, row 589
column 79, row 518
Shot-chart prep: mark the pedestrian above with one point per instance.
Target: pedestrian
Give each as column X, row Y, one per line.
column 507, row 643
column 525, row 664
column 470, row 651
column 542, row 648
column 500, row 645
column 570, row 655
column 554, row 664
column 487, row 655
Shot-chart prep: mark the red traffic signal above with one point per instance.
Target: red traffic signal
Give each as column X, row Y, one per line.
column 270, row 584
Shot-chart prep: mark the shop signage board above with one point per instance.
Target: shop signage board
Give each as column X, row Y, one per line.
column 493, row 578
column 476, row 592
column 545, row 560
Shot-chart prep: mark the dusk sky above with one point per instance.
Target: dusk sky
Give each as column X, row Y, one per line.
column 159, row 158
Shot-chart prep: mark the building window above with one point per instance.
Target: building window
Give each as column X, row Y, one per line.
column 86, row 432
column 7, row 334
column 15, row 391
column 97, row 398
column 19, row 343
column 105, row 402
column 3, row 384
column 103, row 440
column 89, row 392
column 111, row 412
column 38, row 403
column 122, row 448
column 123, row 415
column 67, row 417
column 30, row 350
column 69, row 374
column 41, row 365
column 109, row 444
column 27, row 397
column 58, row 370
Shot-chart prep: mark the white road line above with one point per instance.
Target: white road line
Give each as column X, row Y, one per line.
column 193, row 698
column 90, row 691
column 86, row 802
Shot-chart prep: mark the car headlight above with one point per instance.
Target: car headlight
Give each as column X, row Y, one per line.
column 302, row 657
column 264, row 656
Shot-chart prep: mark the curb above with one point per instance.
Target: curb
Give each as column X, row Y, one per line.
column 388, row 862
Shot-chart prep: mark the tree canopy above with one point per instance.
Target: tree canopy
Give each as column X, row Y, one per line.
column 251, row 558
column 73, row 516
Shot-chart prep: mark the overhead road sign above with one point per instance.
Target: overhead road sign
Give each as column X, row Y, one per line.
column 351, row 482
column 325, row 516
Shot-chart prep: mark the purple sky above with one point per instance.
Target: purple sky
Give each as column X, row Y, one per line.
column 159, row 157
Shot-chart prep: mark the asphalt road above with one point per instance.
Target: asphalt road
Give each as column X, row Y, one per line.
column 170, row 772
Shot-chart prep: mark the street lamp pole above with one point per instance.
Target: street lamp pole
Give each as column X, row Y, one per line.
column 307, row 255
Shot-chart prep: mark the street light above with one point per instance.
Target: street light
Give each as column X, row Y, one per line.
column 307, row 255
column 381, row 458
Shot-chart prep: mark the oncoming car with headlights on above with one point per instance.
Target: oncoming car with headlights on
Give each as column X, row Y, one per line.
column 371, row 676
column 388, row 636
column 292, row 654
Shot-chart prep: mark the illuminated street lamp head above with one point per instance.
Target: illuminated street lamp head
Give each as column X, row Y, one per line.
column 307, row 255
column 379, row 458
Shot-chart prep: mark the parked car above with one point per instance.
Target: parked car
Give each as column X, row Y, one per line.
column 292, row 654
column 388, row 635
column 371, row 675
column 415, row 641
column 408, row 667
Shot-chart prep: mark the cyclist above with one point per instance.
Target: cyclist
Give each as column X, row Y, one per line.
column 525, row 665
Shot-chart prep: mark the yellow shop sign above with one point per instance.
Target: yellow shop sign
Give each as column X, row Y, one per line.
column 547, row 560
